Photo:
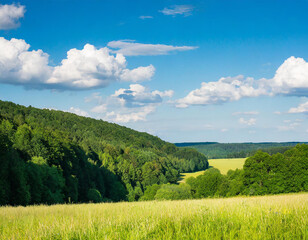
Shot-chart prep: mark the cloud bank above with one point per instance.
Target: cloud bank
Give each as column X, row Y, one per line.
column 10, row 15
column 87, row 68
column 291, row 79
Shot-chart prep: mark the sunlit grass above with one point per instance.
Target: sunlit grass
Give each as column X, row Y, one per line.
column 268, row 217
column 223, row 164
column 184, row 176
column 226, row 164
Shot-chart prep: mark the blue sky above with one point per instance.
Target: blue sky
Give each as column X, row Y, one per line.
column 227, row 71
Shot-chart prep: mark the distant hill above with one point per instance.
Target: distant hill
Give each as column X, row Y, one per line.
column 238, row 150
column 189, row 144
column 49, row 156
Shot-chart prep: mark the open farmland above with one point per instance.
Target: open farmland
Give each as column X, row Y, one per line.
column 266, row 217
column 224, row 165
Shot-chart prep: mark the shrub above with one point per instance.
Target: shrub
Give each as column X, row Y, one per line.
column 94, row 195
column 173, row 192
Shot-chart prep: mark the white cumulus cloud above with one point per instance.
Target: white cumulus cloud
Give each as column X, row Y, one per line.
column 302, row 108
column 138, row 74
column 224, row 90
column 18, row 65
column 82, row 69
column 10, row 15
column 94, row 68
column 291, row 78
column 132, row 48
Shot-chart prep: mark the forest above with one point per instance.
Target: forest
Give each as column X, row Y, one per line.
column 214, row 150
column 49, row 156
column 262, row 174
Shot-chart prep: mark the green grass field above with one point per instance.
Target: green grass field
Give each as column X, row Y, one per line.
column 224, row 165
column 267, row 217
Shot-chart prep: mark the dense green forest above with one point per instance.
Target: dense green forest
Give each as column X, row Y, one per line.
column 237, row 150
column 49, row 156
column 262, row 174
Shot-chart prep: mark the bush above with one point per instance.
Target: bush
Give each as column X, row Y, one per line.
column 150, row 192
column 173, row 192
column 94, row 195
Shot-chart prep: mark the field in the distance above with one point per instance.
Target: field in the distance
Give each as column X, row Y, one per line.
column 268, row 217
column 224, row 165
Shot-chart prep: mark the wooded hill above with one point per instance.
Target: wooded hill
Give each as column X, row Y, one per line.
column 49, row 156
column 237, row 150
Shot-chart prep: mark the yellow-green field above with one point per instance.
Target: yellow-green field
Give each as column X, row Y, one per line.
column 224, row 165
column 268, row 217
column 184, row 176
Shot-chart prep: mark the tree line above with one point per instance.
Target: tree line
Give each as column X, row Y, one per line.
column 262, row 174
column 214, row 150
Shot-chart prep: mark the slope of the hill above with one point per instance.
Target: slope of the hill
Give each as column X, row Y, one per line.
column 49, row 156
column 237, row 150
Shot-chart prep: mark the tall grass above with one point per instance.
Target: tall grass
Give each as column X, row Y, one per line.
column 268, row 217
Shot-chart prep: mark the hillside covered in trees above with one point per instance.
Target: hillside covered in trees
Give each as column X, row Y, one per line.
column 49, row 156
column 237, row 150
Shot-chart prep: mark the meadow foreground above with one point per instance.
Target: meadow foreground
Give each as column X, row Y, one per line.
column 266, row 217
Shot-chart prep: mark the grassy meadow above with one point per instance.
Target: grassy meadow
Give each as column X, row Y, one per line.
column 266, row 217
column 184, row 176
column 224, row 165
